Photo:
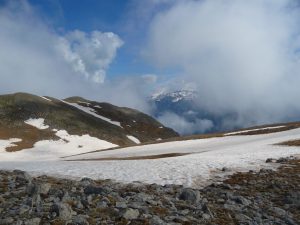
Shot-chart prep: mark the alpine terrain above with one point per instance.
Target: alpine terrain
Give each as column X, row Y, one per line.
column 76, row 161
column 74, row 123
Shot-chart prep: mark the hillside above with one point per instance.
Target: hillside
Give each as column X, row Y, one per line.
column 30, row 119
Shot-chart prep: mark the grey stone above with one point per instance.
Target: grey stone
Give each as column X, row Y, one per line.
column 102, row 204
column 33, row 221
column 190, row 195
column 131, row 214
column 86, row 181
column 23, row 209
column 156, row 221
column 121, row 205
column 270, row 160
column 94, row 190
column 22, row 177
column 64, row 211
column 242, row 217
column 44, row 188
column 278, row 211
column 241, row 200
column 6, row 221
column 206, row 216
column 80, row 220
column 35, row 188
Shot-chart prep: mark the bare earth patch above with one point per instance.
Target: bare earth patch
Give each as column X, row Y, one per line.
column 160, row 156
column 29, row 135
column 291, row 143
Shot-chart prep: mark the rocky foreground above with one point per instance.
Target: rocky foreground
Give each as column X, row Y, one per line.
column 264, row 197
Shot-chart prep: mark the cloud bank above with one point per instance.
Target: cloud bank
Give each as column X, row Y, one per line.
column 242, row 56
column 183, row 126
column 37, row 59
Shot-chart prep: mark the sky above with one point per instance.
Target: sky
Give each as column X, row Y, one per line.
column 241, row 56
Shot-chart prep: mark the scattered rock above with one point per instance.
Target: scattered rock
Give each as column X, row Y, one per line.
column 264, row 197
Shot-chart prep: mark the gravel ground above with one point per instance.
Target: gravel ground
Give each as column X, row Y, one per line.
column 264, row 197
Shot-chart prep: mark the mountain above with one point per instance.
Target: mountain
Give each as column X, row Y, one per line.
column 179, row 110
column 179, row 102
column 31, row 120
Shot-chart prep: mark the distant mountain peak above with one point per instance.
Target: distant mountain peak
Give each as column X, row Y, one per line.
column 175, row 96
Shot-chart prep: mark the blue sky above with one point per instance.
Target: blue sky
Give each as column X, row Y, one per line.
column 107, row 16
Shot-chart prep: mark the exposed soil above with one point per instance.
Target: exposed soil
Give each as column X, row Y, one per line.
column 29, row 135
column 291, row 143
column 160, row 156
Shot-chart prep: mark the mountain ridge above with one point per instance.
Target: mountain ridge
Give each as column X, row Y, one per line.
column 77, row 116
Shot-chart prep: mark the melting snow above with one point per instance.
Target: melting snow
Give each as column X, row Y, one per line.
column 54, row 149
column 93, row 113
column 134, row 139
column 206, row 159
column 206, row 155
column 38, row 123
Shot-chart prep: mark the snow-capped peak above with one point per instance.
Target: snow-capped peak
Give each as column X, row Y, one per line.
column 176, row 96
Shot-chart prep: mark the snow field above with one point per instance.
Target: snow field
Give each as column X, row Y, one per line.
column 92, row 112
column 206, row 159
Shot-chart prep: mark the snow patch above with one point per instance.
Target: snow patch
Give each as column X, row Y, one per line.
column 134, row 139
column 97, row 106
column 46, row 98
column 87, row 103
column 46, row 150
column 38, row 123
column 92, row 112
column 8, row 143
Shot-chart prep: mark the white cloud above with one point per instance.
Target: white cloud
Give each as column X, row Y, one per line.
column 183, row 126
column 35, row 58
column 90, row 54
column 242, row 56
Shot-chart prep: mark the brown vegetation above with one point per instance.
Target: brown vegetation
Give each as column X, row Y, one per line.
column 160, row 156
column 295, row 142
column 29, row 135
